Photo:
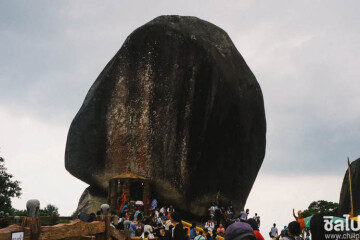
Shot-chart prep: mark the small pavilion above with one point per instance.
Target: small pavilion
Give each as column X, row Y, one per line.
column 128, row 187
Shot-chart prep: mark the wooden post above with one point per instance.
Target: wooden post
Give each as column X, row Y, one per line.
column 35, row 226
column 107, row 234
column 107, row 228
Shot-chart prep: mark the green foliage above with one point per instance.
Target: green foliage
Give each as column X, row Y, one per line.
column 16, row 212
column 46, row 211
column 49, row 210
column 9, row 188
column 321, row 206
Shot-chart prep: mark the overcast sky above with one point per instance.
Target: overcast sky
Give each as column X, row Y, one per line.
column 304, row 54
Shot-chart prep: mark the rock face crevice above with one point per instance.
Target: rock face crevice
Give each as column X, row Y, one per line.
column 178, row 105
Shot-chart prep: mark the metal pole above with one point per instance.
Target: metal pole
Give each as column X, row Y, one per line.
column 351, row 196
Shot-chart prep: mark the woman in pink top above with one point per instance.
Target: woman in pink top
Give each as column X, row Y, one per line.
column 221, row 230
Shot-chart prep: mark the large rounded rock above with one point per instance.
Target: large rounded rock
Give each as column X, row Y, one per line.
column 344, row 202
column 178, row 105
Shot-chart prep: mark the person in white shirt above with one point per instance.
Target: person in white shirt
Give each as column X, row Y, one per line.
column 273, row 231
column 149, row 229
column 170, row 209
column 162, row 210
column 257, row 219
column 157, row 212
column 212, row 212
column 209, row 225
column 244, row 215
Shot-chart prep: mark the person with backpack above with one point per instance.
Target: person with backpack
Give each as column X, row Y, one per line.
column 200, row 236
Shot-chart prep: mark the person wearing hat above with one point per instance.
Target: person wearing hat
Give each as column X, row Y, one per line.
column 239, row 231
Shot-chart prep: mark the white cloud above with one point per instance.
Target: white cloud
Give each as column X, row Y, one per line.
column 275, row 195
column 34, row 154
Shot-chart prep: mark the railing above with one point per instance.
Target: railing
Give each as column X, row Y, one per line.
column 76, row 229
column 32, row 229
column 45, row 220
column 186, row 224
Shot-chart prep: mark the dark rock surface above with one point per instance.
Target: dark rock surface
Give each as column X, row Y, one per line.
column 344, row 202
column 178, row 105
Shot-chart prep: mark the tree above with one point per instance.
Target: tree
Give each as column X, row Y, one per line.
column 322, row 206
column 9, row 188
column 49, row 210
column 16, row 212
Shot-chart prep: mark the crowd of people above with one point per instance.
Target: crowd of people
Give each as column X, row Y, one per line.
column 226, row 215
column 290, row 232
column 295, row 230
column 165, row 223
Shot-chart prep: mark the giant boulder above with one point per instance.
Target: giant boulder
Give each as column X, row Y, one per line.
column 178, row 105
column 344, row 202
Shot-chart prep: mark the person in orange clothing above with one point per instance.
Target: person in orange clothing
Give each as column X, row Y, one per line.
column 221, row 230
column 253, row 223
column 300, row 220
